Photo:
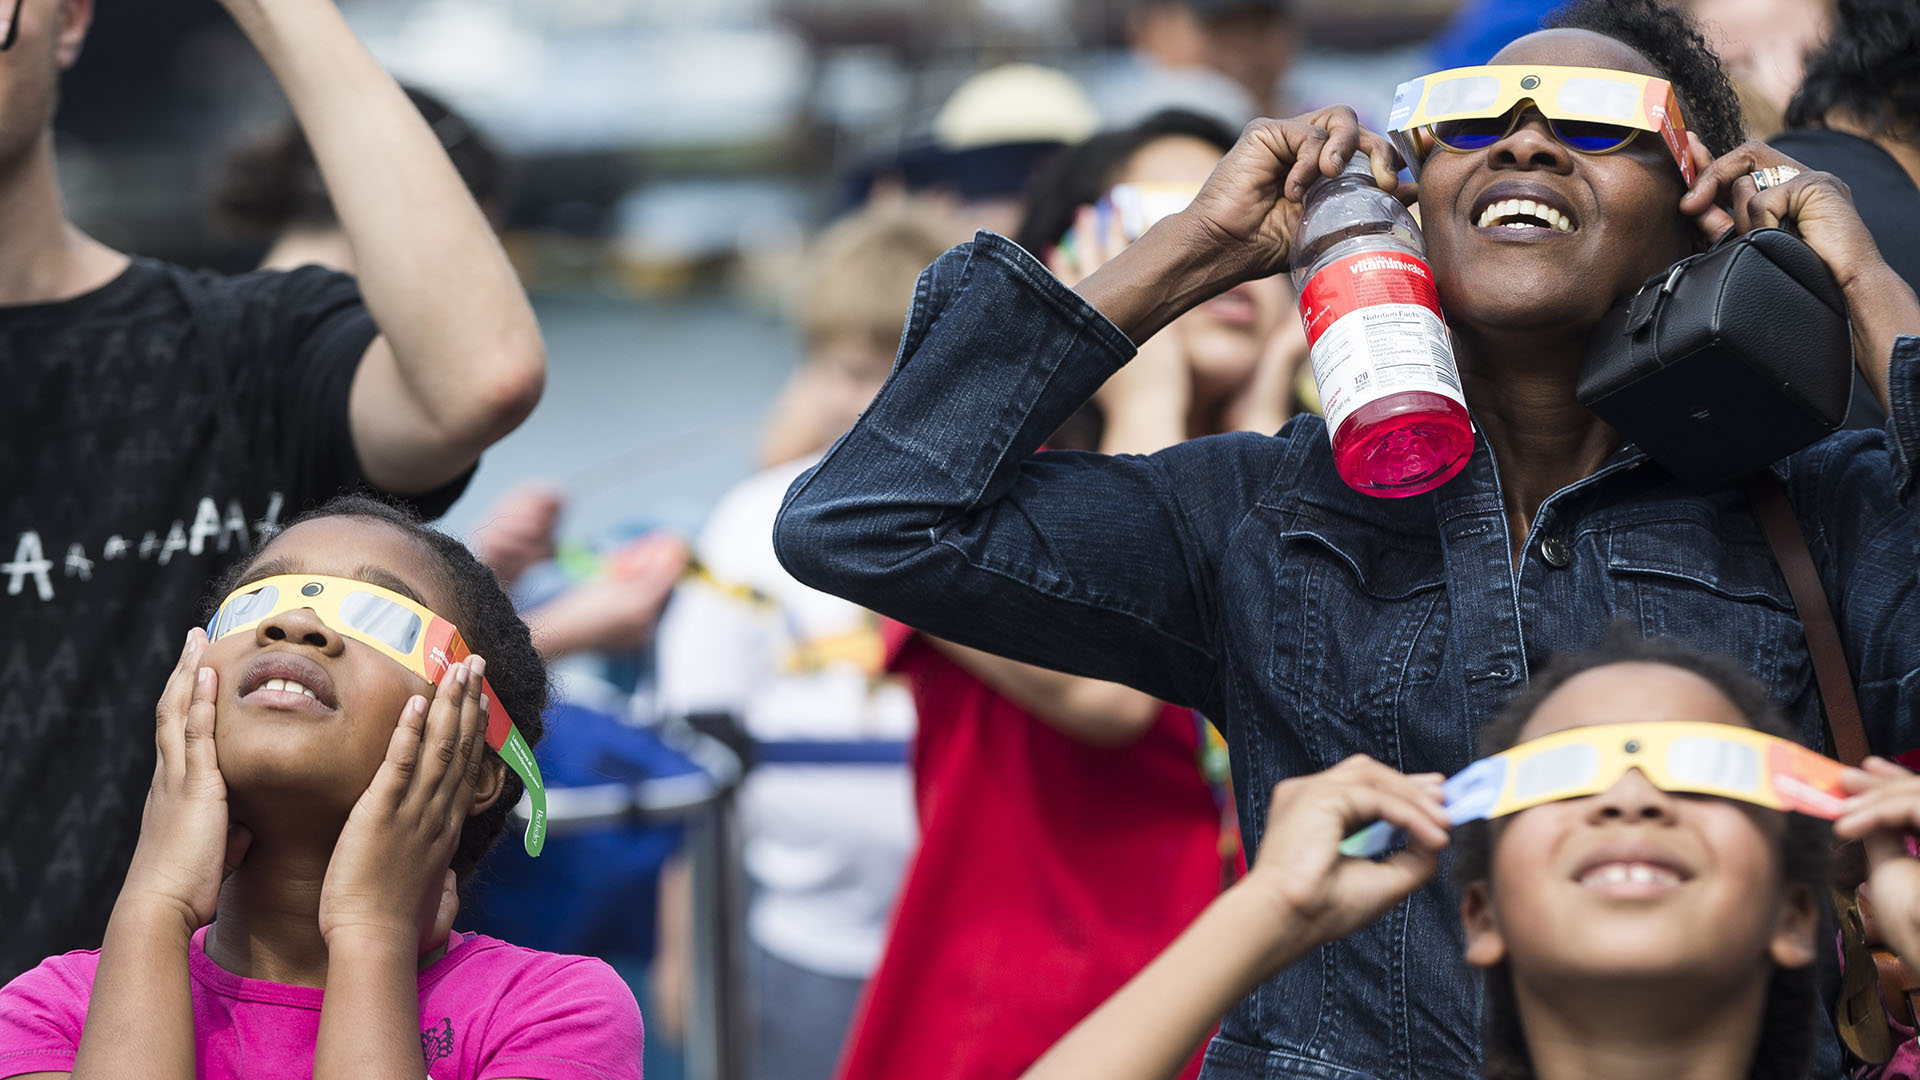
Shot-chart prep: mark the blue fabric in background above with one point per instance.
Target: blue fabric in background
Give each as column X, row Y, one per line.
column 592, row 892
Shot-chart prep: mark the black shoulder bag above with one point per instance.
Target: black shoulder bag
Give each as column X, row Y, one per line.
column 1727, row 361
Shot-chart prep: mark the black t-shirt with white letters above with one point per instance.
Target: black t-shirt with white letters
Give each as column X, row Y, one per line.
column 151, row 433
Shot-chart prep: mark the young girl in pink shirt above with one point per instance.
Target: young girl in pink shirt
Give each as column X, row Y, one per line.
column 316, row 803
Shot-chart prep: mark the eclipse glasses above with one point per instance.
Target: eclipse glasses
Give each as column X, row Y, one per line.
column 1696, row 758
column 406, row 633
column 1589, row 110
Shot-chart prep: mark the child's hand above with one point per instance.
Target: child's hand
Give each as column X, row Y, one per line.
column 387, row 879
column 1265, row 403
column 187, row 846
column 518, row 531
column 1883, row 812
column 1299, row 868
column 617, row 612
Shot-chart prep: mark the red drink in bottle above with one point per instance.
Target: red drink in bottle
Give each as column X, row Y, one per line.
column 1381, row 354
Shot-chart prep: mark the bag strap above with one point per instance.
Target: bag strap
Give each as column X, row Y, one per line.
column 1862, row 1013
column 1769, row 498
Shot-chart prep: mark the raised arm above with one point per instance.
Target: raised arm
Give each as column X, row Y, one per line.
column 1094, row 711
column 1144, row 407
column 1301, row 893
column 936, row 509
column 388, row 898
column 139, row 1019
column 1854, row 492
column 459, row 362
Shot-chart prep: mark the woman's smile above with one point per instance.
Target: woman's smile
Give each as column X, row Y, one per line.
column 1530, row 234
column 1520, row 209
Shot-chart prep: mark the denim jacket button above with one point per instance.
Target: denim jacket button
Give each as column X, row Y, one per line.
column 1556, row 552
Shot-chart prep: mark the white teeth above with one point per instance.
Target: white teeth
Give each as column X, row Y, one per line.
column 1624, row 873
column 1523, row 214
column 288, row 685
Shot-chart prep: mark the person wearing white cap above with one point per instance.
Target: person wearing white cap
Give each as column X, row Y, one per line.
column 983, row 144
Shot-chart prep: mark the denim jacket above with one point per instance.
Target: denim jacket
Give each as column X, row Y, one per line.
column 1237, row 574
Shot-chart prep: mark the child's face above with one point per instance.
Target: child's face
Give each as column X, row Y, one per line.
column 848, row 370
column 318, row 752
column 1223, row 337
column 1637, row 882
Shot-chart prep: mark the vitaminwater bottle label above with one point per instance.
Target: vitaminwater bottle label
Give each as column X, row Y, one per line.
column 1373, row 321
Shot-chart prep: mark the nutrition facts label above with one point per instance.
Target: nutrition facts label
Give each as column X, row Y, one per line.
column 1374, row 324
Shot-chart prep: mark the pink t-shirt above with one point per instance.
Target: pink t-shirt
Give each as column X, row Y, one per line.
column 487, row 1010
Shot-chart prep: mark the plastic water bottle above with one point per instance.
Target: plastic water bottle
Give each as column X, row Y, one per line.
column 1381, row 355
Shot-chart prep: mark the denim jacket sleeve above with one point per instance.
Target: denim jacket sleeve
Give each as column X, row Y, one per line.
column 937, row 509
column 1855, row 493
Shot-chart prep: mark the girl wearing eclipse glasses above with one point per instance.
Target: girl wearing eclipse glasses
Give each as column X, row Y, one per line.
column 1239, row 575
column 335, row 756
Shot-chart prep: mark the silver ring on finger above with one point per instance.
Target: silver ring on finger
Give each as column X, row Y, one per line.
column 1773, row 176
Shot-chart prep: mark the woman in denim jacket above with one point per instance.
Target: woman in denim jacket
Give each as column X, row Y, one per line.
column 1239, row 575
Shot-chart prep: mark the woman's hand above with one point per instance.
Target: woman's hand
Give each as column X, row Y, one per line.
column 1880, row 305
column 1815, row 204
column 386, row 884
column 1300, row 870
column 1249, row 209
column 1241, row 226
column 1883, row 813
column 187, row 844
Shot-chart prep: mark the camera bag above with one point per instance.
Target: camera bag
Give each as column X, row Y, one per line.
column 1727, row 361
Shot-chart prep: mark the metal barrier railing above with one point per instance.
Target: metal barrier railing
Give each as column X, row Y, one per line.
column 703, row 801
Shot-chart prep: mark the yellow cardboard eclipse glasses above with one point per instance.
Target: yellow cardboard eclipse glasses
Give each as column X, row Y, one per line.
column 1590, row 110
column 403, row 630
column 1699, row 758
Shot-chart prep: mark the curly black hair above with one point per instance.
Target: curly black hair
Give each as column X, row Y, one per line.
column 273, row 183
column 1670, row 40
column 1793, row 1008
column 489, row 625
column 1869, row 68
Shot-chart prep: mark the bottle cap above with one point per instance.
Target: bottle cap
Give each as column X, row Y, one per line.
column 1358, row 165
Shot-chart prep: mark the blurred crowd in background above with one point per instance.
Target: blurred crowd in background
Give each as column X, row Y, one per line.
column 719, row 210
column 680, row 155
